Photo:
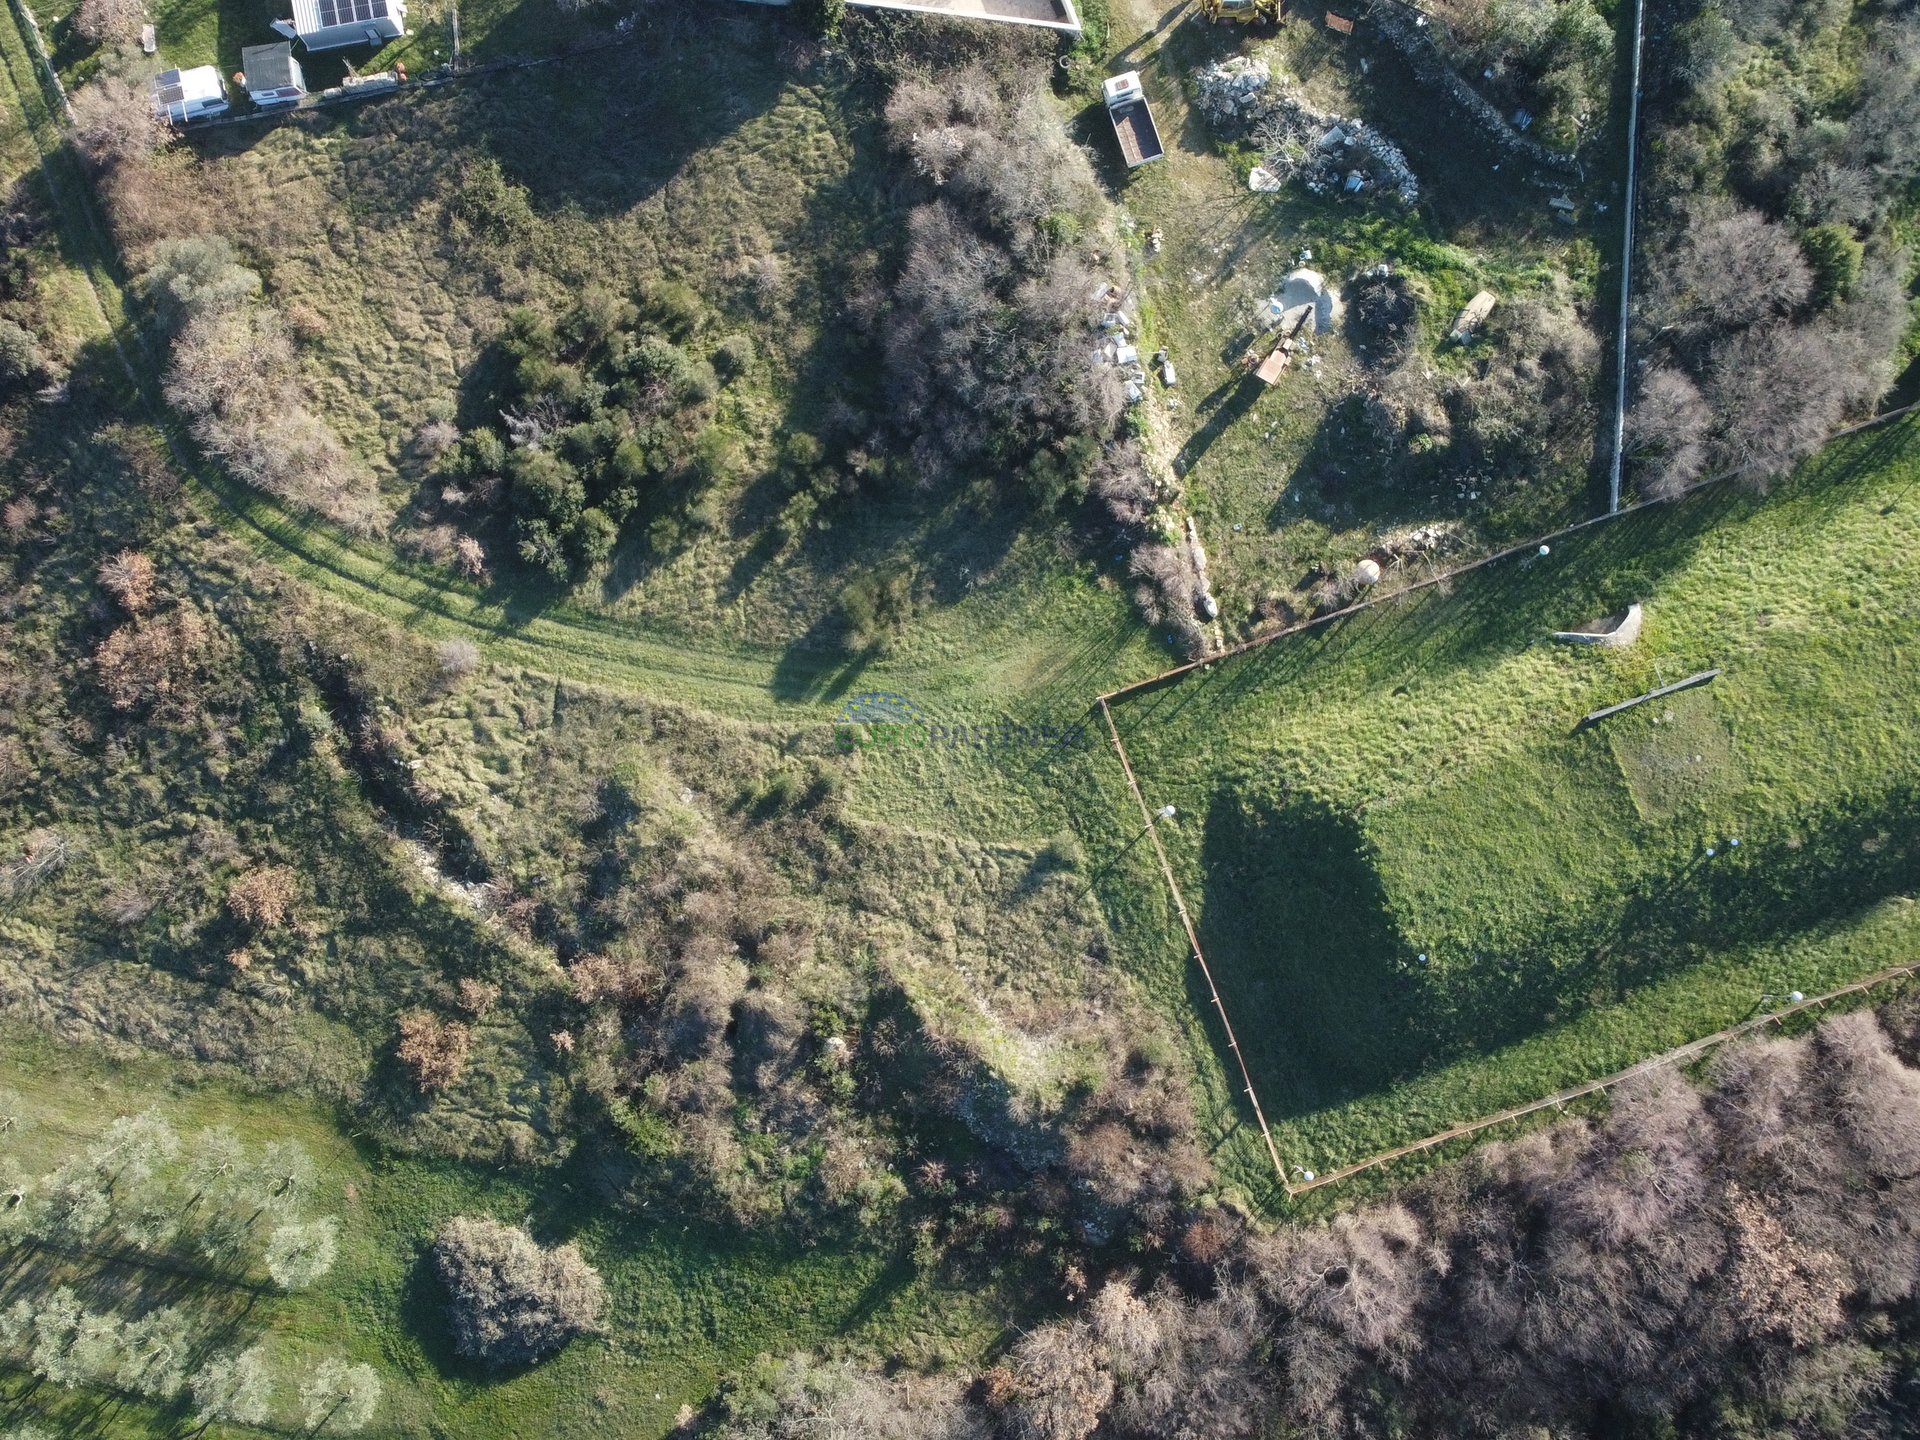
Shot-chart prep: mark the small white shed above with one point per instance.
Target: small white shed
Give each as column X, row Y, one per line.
column 182, row 95
column 271, row 74
column 336, row 24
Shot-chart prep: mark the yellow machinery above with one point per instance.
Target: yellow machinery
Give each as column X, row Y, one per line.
column 1242, row 12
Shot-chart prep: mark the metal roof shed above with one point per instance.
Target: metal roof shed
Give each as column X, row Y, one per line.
column 336, row 24
column 271, row 74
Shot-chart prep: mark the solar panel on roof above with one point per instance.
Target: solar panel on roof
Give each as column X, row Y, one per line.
column 170, row 95
column 351, row 12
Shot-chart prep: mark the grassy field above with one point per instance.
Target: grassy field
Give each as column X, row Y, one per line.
column 688, row 1299
column 1427, row 893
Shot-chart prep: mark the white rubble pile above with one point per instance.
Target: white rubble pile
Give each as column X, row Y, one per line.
column 1329, row 154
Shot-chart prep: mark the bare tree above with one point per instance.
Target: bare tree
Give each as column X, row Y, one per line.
column 511, row 1299
column 114, row 123
column 1667, row 430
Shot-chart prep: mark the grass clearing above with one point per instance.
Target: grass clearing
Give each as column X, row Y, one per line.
column 1409, row 783
column 1678, row 754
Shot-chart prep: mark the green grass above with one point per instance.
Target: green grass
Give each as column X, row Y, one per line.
column 1410, row 781
column 688, row 1299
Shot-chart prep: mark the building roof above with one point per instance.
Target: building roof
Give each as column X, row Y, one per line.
column 268, row 67
column 312, row 15
column 183, row 87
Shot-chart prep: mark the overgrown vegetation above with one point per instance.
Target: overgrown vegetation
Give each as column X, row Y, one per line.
column 1700, row 1263
column 1784, row 150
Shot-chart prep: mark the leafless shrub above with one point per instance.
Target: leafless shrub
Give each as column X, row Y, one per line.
column 436, row 437
column 1359, row 1278
column 1667, row 430
column 1731, row 271
column 432, row 1049
column 126, row 905
column 1651, row 1164
column 103, row 20
column 1779, row 1286
column 1059, row 1389
column 235, row 374
column 146, row 661
column 469, row 558
column 799, row 1399
column 262, row 898
column 457, row 657
column 1756, row 436
column 128, row 577
column 1874, row 1098
column 46, row 854
column 512, row 1300
column 113, row 121
column 476, row 996
column 1172, row 1362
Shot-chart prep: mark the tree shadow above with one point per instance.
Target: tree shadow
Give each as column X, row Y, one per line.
column 1224, row 407
column 1296, row 930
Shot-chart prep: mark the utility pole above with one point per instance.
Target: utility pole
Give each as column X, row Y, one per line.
column 1626, row 266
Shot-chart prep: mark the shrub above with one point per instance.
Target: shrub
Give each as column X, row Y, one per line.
column 103, row 20
column 128, row 577
column 262, row 898
column 875, row 606
column 433, row 1050
column 733, row 357
column 196, row 276
column 674, row 307
column 510, row 1299
column 822, row 17
column 20, row 357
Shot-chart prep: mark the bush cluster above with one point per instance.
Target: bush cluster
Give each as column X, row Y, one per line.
column 235, row 374
column 609, row 422
column 1741, row 1260
column 1787, row 134
column 1552, row 57
column 993, row 316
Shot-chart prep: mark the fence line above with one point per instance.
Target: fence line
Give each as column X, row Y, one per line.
column 1676, row 1055
column 1193, row 939
column 1471, row 566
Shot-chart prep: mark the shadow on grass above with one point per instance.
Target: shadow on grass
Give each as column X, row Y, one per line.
column 1296, row 931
